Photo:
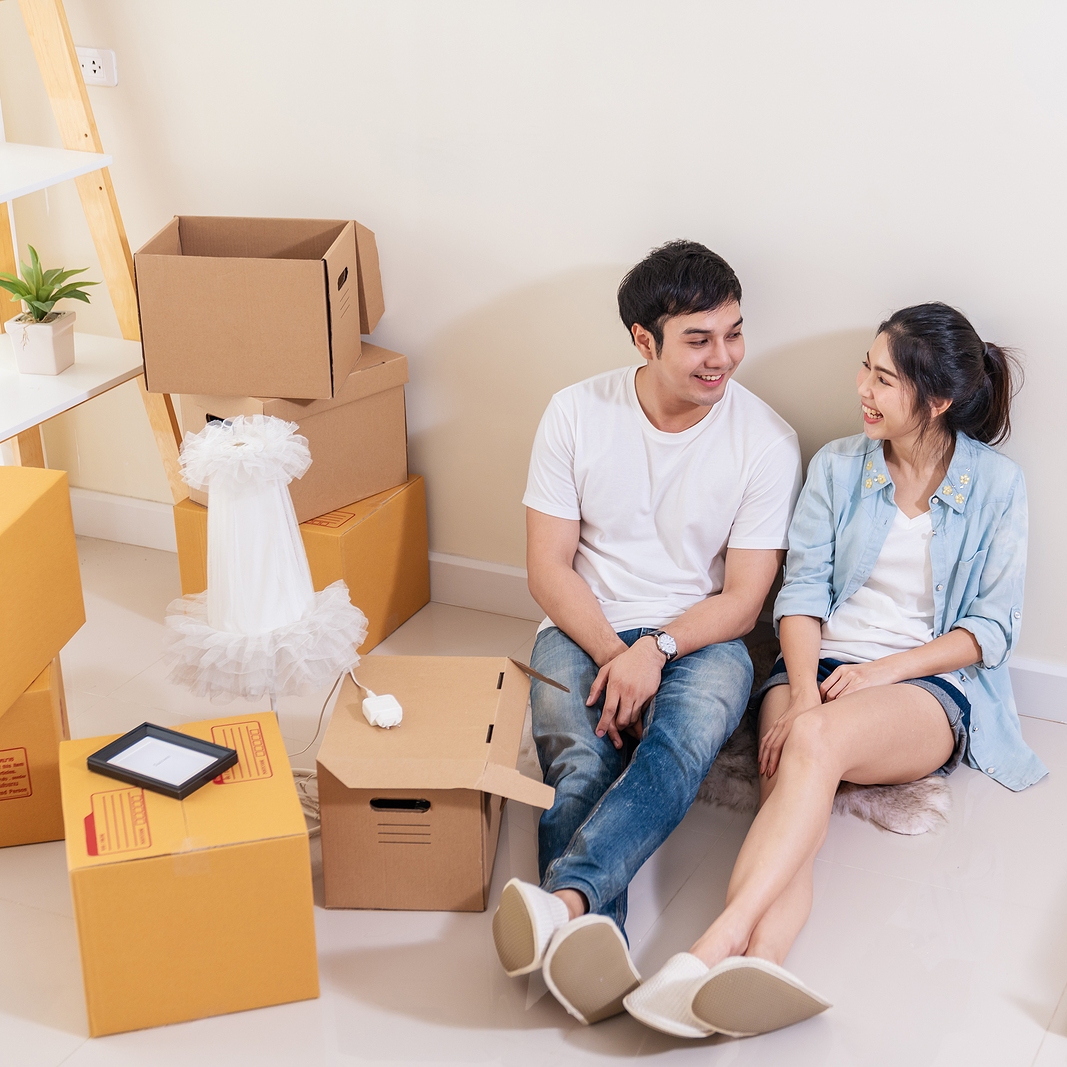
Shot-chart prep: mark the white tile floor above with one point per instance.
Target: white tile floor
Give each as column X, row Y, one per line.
column 949, row 949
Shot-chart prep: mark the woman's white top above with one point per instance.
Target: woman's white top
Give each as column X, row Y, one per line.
column 893, row 611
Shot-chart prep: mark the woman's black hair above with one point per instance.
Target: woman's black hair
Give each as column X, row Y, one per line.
column 940, row 355
column 678, row 278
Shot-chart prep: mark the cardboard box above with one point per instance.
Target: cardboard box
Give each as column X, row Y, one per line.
column 255, row 307
column 30, row 732
column 411, row 815
column 358, row 440
column 40, row 585
column 195, row 907
column 378, row 546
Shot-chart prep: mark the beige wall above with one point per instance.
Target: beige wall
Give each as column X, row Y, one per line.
column 515, row 158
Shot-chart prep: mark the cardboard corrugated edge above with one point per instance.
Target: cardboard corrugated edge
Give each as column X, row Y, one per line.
column 488, row 774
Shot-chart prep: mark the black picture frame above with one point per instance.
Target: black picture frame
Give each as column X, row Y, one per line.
column 224, row 759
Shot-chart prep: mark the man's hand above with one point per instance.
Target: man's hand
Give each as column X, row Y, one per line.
column 628, row 682
column 772, row 742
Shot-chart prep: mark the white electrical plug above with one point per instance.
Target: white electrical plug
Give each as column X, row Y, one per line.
column 384, row 711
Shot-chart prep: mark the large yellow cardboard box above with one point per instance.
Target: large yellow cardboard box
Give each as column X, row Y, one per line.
column 195, row 907
column 378, row 546
column 40, row 586
column 30, row 732
column 358, row 440
column 411, row 815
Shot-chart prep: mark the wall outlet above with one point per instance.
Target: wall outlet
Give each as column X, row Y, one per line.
column 98, row 66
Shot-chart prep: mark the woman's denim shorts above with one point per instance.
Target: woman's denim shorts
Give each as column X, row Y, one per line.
column 957, row 707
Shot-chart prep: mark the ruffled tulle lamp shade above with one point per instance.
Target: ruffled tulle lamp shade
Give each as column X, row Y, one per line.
column 260, row 629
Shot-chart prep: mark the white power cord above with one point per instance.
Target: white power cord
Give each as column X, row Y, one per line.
column 306, row 778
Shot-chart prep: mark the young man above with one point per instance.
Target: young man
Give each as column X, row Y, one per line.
column 658, row 502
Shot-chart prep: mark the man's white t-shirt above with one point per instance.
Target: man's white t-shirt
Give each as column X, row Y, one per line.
column 658, row 510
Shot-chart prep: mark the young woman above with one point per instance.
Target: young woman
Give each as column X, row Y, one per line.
column 902, row 600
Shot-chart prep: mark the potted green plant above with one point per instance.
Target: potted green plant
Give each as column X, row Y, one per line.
column 43, row 339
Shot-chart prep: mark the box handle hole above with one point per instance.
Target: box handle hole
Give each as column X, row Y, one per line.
column 399, row 804
column 342, row 278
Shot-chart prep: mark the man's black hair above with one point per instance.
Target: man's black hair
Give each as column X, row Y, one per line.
column 678, row 278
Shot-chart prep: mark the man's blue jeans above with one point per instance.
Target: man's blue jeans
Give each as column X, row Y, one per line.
column 615, row 807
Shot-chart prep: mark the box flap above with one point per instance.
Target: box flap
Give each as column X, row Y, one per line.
column 462, row 726
column 342, row 294
column 108, row 821
column 164, row 243
column 371, row 300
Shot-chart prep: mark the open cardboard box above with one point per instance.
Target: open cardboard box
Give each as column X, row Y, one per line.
column 30, row 733
column 411, row 815
column 358, row 440
column 256, row 307
column 41, row 604
column 195, row 907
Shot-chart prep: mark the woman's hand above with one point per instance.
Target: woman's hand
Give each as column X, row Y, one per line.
column 852, row 677
column 772, row 742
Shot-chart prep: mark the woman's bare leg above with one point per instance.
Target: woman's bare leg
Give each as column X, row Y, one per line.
column 883, row 735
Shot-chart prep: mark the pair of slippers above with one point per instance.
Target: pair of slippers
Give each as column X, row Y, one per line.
column 585, row 961
column 587, row 966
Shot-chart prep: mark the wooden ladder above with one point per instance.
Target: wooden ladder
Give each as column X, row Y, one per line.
column 53, row 46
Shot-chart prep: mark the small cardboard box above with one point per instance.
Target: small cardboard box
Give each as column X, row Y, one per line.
column 411, row 815
column 358, row 440
column 40, row 585
column 30, row 732
column 379, row 546
column 195, row 907
column 256, row 307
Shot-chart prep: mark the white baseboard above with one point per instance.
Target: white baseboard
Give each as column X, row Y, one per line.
column 147, row 523
column 473, row 583
column 1040, row 688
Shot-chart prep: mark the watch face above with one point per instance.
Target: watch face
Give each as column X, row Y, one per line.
column 667, row 645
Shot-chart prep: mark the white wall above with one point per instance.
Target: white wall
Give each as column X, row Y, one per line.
column 514, row 158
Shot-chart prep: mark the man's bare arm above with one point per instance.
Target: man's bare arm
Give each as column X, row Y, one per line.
column 748, row 577
column 563, row 595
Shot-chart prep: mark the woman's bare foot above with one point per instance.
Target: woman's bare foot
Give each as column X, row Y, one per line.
column 725, row 937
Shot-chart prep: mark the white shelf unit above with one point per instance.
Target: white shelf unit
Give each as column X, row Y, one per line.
column 27, row 168
column 100, row 363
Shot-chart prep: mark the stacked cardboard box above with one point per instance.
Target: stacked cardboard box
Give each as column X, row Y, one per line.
column 247, row 316
column 195, row 907
column 40, row 610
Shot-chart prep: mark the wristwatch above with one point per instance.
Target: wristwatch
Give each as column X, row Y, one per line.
column 665, row 643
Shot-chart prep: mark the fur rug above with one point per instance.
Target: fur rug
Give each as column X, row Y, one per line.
column 914, row 808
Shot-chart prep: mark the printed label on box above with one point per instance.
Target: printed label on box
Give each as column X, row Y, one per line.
column 14, row 774
column 252, row 759
column 332, row 519
column 117, row 823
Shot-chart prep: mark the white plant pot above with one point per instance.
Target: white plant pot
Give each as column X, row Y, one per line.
column 43, row 347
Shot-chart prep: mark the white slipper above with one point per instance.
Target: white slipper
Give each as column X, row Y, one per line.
column 739, row 997
column 664, row 1001
column 588, row 968
column 524, row 924
column 745, row 995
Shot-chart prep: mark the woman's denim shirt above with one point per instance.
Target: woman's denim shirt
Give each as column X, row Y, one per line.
column 978, row 558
